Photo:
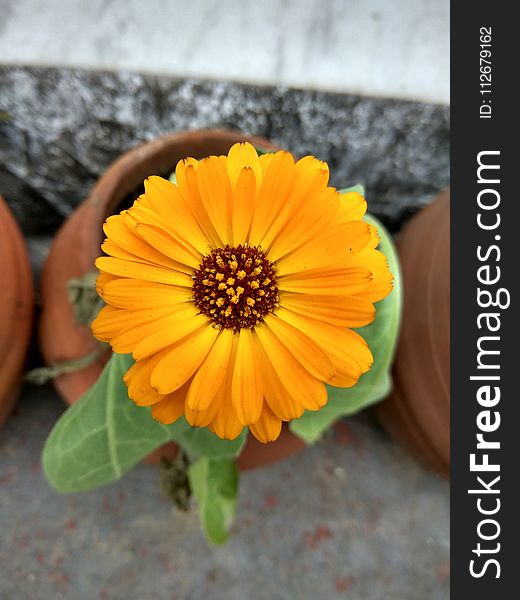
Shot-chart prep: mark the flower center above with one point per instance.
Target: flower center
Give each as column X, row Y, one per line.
column 235, row 287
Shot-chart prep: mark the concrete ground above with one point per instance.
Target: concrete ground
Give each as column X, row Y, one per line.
column 353, row 517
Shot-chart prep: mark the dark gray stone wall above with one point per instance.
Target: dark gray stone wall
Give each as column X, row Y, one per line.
column 60, row 129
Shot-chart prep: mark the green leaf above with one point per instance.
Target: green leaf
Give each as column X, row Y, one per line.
column 381, row 336
column 215, row 484
column 104, row 434
column 360, row 189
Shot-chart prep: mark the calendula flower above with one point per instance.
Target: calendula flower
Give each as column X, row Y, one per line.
column 235, row 289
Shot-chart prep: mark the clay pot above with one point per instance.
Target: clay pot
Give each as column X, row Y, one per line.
column 417, row 413
column 16, row 307
column 77, row 245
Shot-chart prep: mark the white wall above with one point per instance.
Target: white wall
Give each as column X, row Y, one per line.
column 394, row 48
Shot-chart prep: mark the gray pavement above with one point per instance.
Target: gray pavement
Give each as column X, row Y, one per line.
column 353, row 517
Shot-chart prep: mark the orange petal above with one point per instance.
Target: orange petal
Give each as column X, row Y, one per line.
column 188, row 187
column 161, row 239
column 309, row 164
column 123, row 242
column 374, row 237
column 203, row 418
column 381, row 286
column 348, row 281
column 339, row 310
column 176, row 216
column 308, row 221
column 171, row 407
column 110, row 320
column 299, row 383
column 275, row 394
column 242, row 155
column 146, row 324
column 182, row 167
column 302, row 347
column 225, row 423
column 215, row 194
column 132, row 270
column 304, row 190
column 134, row 294
column 244, row 198
column 182, row 360
column 102, row 280
column 352, row 208
column 276, row 187
column 334, row 248
column 172, row 333
column 246, row 388
column 265, row 161
column 268, row 427
column 212, row 373
column 347, row 350
column 381, row 279
column 137, row 380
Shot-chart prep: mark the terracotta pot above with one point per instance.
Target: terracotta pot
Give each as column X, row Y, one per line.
column 417, row 413
column 77, row 245
column 16, row 307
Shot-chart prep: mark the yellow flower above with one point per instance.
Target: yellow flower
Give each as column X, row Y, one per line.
column 235, row 288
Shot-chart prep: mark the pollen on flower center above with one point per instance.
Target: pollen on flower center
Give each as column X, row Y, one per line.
column 235, row 286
